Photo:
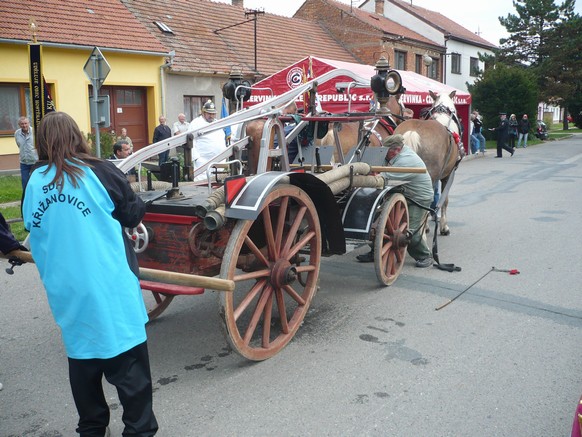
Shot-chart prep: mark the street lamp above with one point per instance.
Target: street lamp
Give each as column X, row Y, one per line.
column 427, row 60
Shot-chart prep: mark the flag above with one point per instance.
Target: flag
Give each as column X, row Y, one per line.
column 224, row 114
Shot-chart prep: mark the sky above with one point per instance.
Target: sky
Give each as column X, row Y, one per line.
column 478, row 16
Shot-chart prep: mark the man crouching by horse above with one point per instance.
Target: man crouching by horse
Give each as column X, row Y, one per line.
column 419, row 195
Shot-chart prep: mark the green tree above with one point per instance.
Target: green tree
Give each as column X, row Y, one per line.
column 546, row 38
column 505, row 89
column 531, row 29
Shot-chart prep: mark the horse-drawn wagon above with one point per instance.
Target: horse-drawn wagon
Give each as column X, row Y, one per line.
column 257, row 237
column 266, row 230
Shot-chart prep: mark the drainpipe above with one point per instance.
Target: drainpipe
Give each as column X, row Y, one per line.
column 447, row 36
column 167, row 64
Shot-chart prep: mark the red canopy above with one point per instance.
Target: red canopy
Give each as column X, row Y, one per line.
column 416, row 97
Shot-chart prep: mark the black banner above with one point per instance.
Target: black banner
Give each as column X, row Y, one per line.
column 37, row 89
column 40, row 97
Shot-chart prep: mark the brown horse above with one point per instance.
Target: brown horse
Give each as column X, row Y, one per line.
column 438, row 145
column 254, row 130
column 373, row 132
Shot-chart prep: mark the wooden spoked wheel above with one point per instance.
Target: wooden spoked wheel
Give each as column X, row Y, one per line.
column 156, row 303
column 265, row 257
column 390, row 241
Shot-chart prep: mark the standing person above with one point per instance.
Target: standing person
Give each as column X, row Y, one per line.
column 162, row 132
column 513, row 125
column 206, row 146
column 95, row 298
column 181, row 125
column 523, row 130
column 477, row 131
column 124, row 137
column 419, row 188
column 27, row 153
column 502, row 135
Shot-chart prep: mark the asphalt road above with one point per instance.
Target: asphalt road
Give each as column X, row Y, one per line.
column 501, row 360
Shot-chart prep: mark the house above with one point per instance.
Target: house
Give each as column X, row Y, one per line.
column 415, row 38
column 69, row 31
column 460, row 63
column 210, row 39
column 368, row 34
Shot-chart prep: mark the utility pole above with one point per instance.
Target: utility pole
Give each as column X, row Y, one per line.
column 255, row 14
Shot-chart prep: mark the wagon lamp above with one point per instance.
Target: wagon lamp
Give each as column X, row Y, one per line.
column 385, row 83
column 236, row 88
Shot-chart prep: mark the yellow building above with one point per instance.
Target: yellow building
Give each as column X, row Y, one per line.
column 68, row 36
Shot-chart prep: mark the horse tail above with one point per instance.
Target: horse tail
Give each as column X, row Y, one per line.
column 412, row 139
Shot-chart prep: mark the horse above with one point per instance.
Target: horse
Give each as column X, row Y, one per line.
column 373, row 132
column 439, row 146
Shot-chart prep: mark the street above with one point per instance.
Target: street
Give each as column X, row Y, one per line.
column 501, row 360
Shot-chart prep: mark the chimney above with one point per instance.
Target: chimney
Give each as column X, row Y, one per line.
column 239, row 3
column 379, row 7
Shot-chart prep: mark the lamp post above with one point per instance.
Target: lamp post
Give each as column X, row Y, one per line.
column 427, row 60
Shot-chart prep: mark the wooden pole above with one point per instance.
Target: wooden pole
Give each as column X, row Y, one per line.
column 156, row 275
column 375, row 168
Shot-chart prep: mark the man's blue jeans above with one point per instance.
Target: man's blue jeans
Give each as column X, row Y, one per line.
column 25, row 170
column 480, row 141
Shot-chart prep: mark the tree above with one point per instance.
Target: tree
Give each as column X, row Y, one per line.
column 546, row 38
column 530, row 30
column 505, row 89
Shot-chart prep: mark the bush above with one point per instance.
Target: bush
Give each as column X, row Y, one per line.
column 107, row 140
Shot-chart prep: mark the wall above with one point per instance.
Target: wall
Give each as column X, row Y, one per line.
column 361, row 40
column 63, row 68
column 178, row 86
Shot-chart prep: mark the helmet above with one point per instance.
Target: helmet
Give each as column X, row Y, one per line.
column 209, row 107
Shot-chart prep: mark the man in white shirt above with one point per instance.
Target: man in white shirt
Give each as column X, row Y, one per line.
column 207, row 146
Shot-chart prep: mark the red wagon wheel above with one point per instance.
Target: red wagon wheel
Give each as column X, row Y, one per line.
column 156, row 303
column 264, row 258
column 390, row 241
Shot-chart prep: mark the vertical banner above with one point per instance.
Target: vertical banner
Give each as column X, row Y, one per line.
column 37, row 88
column 40, row 98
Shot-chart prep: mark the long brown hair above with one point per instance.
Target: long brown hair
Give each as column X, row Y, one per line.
column 61, row 143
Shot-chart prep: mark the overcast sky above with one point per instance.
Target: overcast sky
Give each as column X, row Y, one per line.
column 477, row 16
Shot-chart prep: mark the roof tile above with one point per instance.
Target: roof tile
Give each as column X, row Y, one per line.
column 210, row 37
column 103, row 23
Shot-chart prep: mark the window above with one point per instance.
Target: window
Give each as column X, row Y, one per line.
column 164, row 27
column 399, row 60
column 128, row 96
column 433, row 69
column 418, row 64
column 193, row 106
column 14, row 102
column 474, row 67
column 456, row 63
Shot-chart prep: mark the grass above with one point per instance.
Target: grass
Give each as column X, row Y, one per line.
column 11, row 191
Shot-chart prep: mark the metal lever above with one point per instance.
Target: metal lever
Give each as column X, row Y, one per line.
column 13, row 261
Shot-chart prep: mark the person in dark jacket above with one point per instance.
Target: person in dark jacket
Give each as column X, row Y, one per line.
column 502, row 135
column 523, row 130
column 75, row 208
column 162, row 132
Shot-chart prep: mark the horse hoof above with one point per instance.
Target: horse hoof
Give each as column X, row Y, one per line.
column 446, row 232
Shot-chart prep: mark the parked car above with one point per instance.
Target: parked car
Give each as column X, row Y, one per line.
column 542, row 130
